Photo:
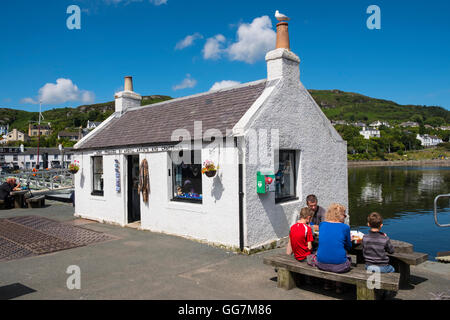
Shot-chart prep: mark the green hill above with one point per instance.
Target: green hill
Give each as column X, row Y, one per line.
column 336, row 104
column 62, row 118
column 339, row 105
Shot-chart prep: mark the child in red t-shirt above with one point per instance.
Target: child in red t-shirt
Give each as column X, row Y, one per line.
column 301, row 236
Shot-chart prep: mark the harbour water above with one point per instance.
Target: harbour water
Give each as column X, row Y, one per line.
column 404, row 196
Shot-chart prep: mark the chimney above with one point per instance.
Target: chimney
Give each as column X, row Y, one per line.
column 127, row 98
column 282, row 62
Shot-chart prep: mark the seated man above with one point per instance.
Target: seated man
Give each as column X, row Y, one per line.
column 5, row 192
column 319, row 212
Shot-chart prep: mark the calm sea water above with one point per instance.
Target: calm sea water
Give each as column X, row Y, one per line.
column 404, row 196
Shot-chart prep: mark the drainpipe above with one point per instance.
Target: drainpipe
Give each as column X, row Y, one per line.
column 241, row 195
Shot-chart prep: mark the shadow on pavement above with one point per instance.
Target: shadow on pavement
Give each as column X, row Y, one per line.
column 14, row 290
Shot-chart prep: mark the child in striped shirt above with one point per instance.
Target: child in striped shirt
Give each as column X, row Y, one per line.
column 376, row 245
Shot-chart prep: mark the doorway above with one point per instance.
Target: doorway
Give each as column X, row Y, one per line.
column 134, row 203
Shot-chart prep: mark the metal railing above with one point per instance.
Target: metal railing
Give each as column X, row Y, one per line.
column 435, row 210
column 51, row 179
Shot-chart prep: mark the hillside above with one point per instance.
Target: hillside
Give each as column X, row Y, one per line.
column 339, row 105
column 62, row 118
column 336, row 104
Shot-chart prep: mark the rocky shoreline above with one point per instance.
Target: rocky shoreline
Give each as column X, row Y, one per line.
column 412, row 163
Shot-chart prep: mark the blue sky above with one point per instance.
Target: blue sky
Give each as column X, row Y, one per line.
column 406, row 61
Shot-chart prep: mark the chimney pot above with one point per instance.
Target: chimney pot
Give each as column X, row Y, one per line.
column 128, row 83
column 282, row 35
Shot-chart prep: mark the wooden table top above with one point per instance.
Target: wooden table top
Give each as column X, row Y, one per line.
column 18, row 192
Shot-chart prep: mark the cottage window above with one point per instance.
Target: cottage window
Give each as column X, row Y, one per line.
column 97, row 171
column 285, row 178
column 187, row 178
column 31, row 156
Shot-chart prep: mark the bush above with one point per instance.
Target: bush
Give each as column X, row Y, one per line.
column 445, row 145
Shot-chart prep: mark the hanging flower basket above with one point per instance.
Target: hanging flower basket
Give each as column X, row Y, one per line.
column 211, row 173
column 74, row 167
column 209, row 168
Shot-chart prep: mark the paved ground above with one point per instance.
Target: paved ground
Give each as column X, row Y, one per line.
column 146, row 265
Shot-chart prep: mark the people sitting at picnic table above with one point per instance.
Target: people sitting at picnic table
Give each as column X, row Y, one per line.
column 376, row 245
column 319, row 212
column 5, row 192
column 301, row 236
column 334, row 241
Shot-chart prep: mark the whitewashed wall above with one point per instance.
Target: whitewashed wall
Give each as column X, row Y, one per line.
column 111, row 206
column 216, row 220
column 321, row 168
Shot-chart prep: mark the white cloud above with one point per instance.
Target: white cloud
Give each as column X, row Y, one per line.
column 224, row 84
column 28, row 101
column 188, row 82
column 158, row 2
column 254, row 40
column 62, row 91
column 188, row 41
column 212, row 49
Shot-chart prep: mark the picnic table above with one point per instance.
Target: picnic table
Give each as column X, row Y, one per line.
column 18, row 198
column 402, row 258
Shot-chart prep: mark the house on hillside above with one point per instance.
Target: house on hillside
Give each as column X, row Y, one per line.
column 4, row 129
column 369, row 132
column 71, row 136
column 92, row 124
column 16, row 135
column 270, row 139
column 34, row 130
column 409, row 124
column 359, row 124
column 341, row 122
column 377, row 124
column 428, row 140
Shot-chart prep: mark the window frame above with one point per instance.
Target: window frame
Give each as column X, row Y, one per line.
column 294, row 166
column 96, row 192
column 172, row 170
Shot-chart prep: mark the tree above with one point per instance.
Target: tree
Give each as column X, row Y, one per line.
column 435, row 121
column 417, row 118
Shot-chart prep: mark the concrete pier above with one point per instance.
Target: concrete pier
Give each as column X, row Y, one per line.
column 147, row 265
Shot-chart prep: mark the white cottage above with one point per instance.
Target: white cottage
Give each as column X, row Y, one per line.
column 265, row 132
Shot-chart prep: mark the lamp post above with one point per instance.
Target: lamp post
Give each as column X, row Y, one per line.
column 22, row 150
column 39, row 134
column 61, row 149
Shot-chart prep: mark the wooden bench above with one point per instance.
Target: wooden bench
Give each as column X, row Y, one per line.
column 402, row 261
column 287, row 265
column 36, row 202
column 402, row 258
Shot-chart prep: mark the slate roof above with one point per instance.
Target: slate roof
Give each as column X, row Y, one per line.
column 154, row 124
